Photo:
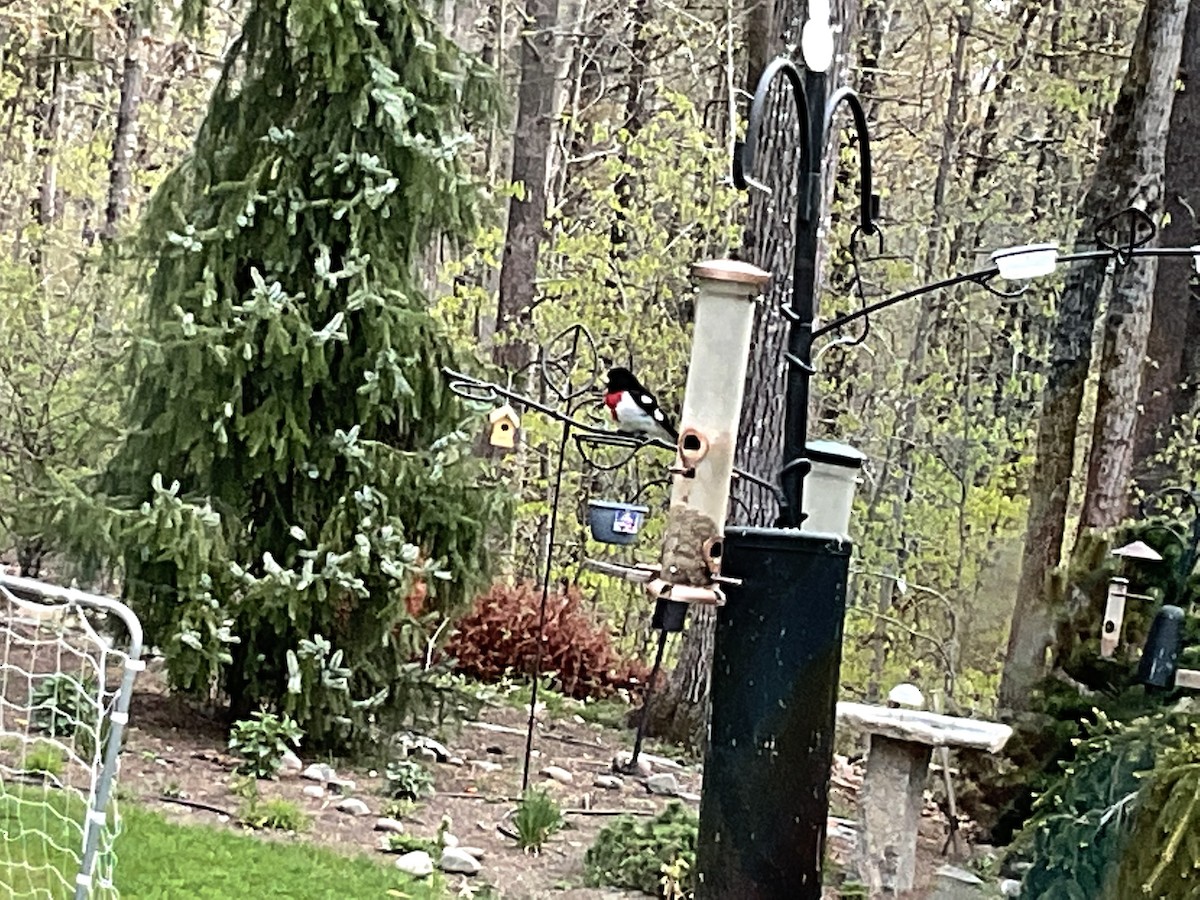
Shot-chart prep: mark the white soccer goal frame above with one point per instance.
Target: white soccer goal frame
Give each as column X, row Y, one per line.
column 27, row 601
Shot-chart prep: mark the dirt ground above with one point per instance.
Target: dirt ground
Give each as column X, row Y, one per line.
column 175, row 753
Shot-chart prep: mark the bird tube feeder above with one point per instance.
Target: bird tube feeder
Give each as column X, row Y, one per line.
column 829, row 487
column 712, row 406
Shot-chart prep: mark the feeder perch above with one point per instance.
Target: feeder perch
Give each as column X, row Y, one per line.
column 613, row 522
column 503, row 426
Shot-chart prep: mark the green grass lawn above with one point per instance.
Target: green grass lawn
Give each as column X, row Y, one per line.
column 159, row 860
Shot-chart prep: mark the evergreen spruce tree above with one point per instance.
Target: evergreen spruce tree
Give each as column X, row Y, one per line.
column 295, row 492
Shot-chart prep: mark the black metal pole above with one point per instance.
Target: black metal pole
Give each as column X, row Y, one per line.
column 774, row 689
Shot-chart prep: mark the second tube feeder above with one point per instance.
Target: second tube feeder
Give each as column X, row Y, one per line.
column 708, row 427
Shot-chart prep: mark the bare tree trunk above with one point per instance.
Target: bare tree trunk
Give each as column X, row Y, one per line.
column 1111, row 189
column 530, row 165
column 125, row 133
column 1127, row 325
column 680, row 710
column 1166, row 391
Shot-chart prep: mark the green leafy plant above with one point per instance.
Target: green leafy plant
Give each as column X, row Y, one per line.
column 294, row 503
column 408, row 779
column 261, row 742
column 62, row 703
column 632, row 854
column 1079, row 831
column 407, row 843
column 498, row 637
column 399, row 808
column 45, row 759
column 277, row 813
column 538, row 816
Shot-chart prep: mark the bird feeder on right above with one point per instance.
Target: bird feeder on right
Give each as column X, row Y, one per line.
column 690, row 570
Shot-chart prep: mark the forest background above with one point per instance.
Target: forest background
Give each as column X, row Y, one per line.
column 1009, row 439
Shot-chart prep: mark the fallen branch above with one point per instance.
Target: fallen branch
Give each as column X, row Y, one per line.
column 608, row 812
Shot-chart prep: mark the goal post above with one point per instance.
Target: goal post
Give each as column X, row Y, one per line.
column 68, row 660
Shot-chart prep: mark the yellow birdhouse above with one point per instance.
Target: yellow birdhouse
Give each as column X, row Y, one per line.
column 503, row 424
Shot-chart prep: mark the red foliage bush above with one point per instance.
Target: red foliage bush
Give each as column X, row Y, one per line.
column 499, row 636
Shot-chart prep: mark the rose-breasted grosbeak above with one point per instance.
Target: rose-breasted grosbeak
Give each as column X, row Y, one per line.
column 634, row 409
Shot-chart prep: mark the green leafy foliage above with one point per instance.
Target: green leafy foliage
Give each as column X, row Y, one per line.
column 1079, row 830
column 276, row 813
column 44, row 759
column 407, row 779
column 261, row 742
column 1162, row 855
column 631, row 853
column 294, row 507
column 61, row 703
column 499, row 637
column 538, row 816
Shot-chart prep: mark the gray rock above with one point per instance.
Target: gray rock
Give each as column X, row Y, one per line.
column 290, row 764
column 661, row 762
column 663, row 783
column 315, row 791
column 688, row 796
column 455, row 761
column 954, row 873
column 559, row 774
column 343, row 786
column 484, row 765
column 1010, row 887
column 353, row 806
column 319, row 772
column 459, row 861
column 621, row 765
column 418, row 863
column 390, row 825
column 608, row 782
column 425, row 754
column 449, row 840
column 477, row 852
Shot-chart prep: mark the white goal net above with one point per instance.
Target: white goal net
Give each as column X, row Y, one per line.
column 67, row 664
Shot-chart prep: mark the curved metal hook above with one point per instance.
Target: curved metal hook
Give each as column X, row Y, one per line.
column 745, row 152
column 869, row 201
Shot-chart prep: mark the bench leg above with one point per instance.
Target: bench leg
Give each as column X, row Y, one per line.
column 890, row 814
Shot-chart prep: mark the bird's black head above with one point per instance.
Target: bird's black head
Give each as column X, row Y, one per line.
column 620, row 379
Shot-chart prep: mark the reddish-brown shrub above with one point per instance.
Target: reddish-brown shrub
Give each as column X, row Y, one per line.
column 499, row 636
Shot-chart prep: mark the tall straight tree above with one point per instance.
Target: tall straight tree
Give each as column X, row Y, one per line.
column 1169, row 379
column 1139, row 120
column 530, row 165
column 295, row 491
column 680, row 712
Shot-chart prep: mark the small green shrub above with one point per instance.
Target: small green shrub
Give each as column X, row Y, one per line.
column 275, row 812
column 538, row 816
column 399, row 808
column 639, row 855
column 62, row 703
column 407, row 778
column 407, row 843
column 44, row 759
column 261, row 742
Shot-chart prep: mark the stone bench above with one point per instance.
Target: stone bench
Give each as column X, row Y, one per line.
column 901, row 744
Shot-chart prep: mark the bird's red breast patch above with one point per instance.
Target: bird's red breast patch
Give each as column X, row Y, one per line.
column 611, row 400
